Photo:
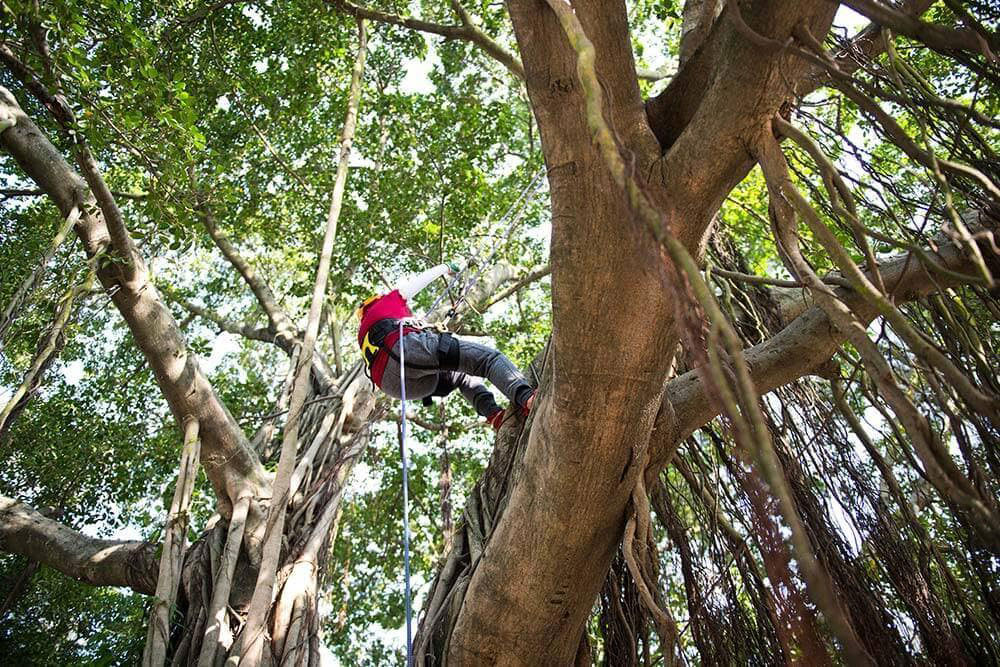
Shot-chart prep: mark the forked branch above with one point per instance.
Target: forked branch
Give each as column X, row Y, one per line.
column 466, row 30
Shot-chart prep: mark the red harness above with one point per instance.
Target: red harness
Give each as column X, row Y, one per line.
column 377, row 368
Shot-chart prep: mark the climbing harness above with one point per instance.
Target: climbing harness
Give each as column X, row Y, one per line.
column 385, row 333
column 376, row 346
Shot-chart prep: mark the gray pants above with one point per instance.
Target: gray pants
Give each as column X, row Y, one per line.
column 425, row 377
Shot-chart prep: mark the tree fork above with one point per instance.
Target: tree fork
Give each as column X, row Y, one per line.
column 226, row 455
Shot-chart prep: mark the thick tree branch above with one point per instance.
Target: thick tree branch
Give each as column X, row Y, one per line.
column 229, row 461
column 868, row 44
column 802, row 347
column 653, row 74
column 940, row 38
column 730, row 76
column 27, row 532
column 521, row 283
column 672, row 110
column 9, row 193
column 697, row 19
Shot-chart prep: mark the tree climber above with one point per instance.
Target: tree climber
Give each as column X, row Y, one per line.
column 436, row 362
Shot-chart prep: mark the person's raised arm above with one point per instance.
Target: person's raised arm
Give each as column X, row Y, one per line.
column 413, row 284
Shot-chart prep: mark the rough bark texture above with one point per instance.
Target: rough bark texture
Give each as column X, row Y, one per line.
column 539, row 540
column 579, row 465
column 28, row 532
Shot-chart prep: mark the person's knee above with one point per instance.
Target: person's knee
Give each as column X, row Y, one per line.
column 480, row 359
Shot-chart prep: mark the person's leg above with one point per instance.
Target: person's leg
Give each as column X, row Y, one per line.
column 472, row 389
column 482, row 361
column 420, row 357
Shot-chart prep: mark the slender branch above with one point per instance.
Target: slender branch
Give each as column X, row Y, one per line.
column 940, row 38
column 966, row 17
column 247, row 331
column 17, row 585
column 50, row 344
column 868, row 44
column 32, row 281
column 447, row 31
column 486, row 43
column 775, row 282
column 269, row 147
column 285, row 330
column 466, row 31
column 94, row 561
column 895, row 131
column 523, row 282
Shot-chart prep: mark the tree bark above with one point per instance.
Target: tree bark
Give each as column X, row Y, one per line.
column 226, row 455
column 98, row 562
column 584, row 462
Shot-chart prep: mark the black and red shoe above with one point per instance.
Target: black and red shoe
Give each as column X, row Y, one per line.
column 495, row 420
column 528, row 404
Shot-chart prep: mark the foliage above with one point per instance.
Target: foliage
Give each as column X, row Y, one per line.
column 234, row 110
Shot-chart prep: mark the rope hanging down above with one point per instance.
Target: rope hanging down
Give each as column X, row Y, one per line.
column 406, row 499
column 519, row 205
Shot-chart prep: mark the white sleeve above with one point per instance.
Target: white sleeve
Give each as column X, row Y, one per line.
column 413, row 284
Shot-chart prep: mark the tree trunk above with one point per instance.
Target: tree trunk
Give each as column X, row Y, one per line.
column 334, row 434
column 529, row 595
column 540, row 538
